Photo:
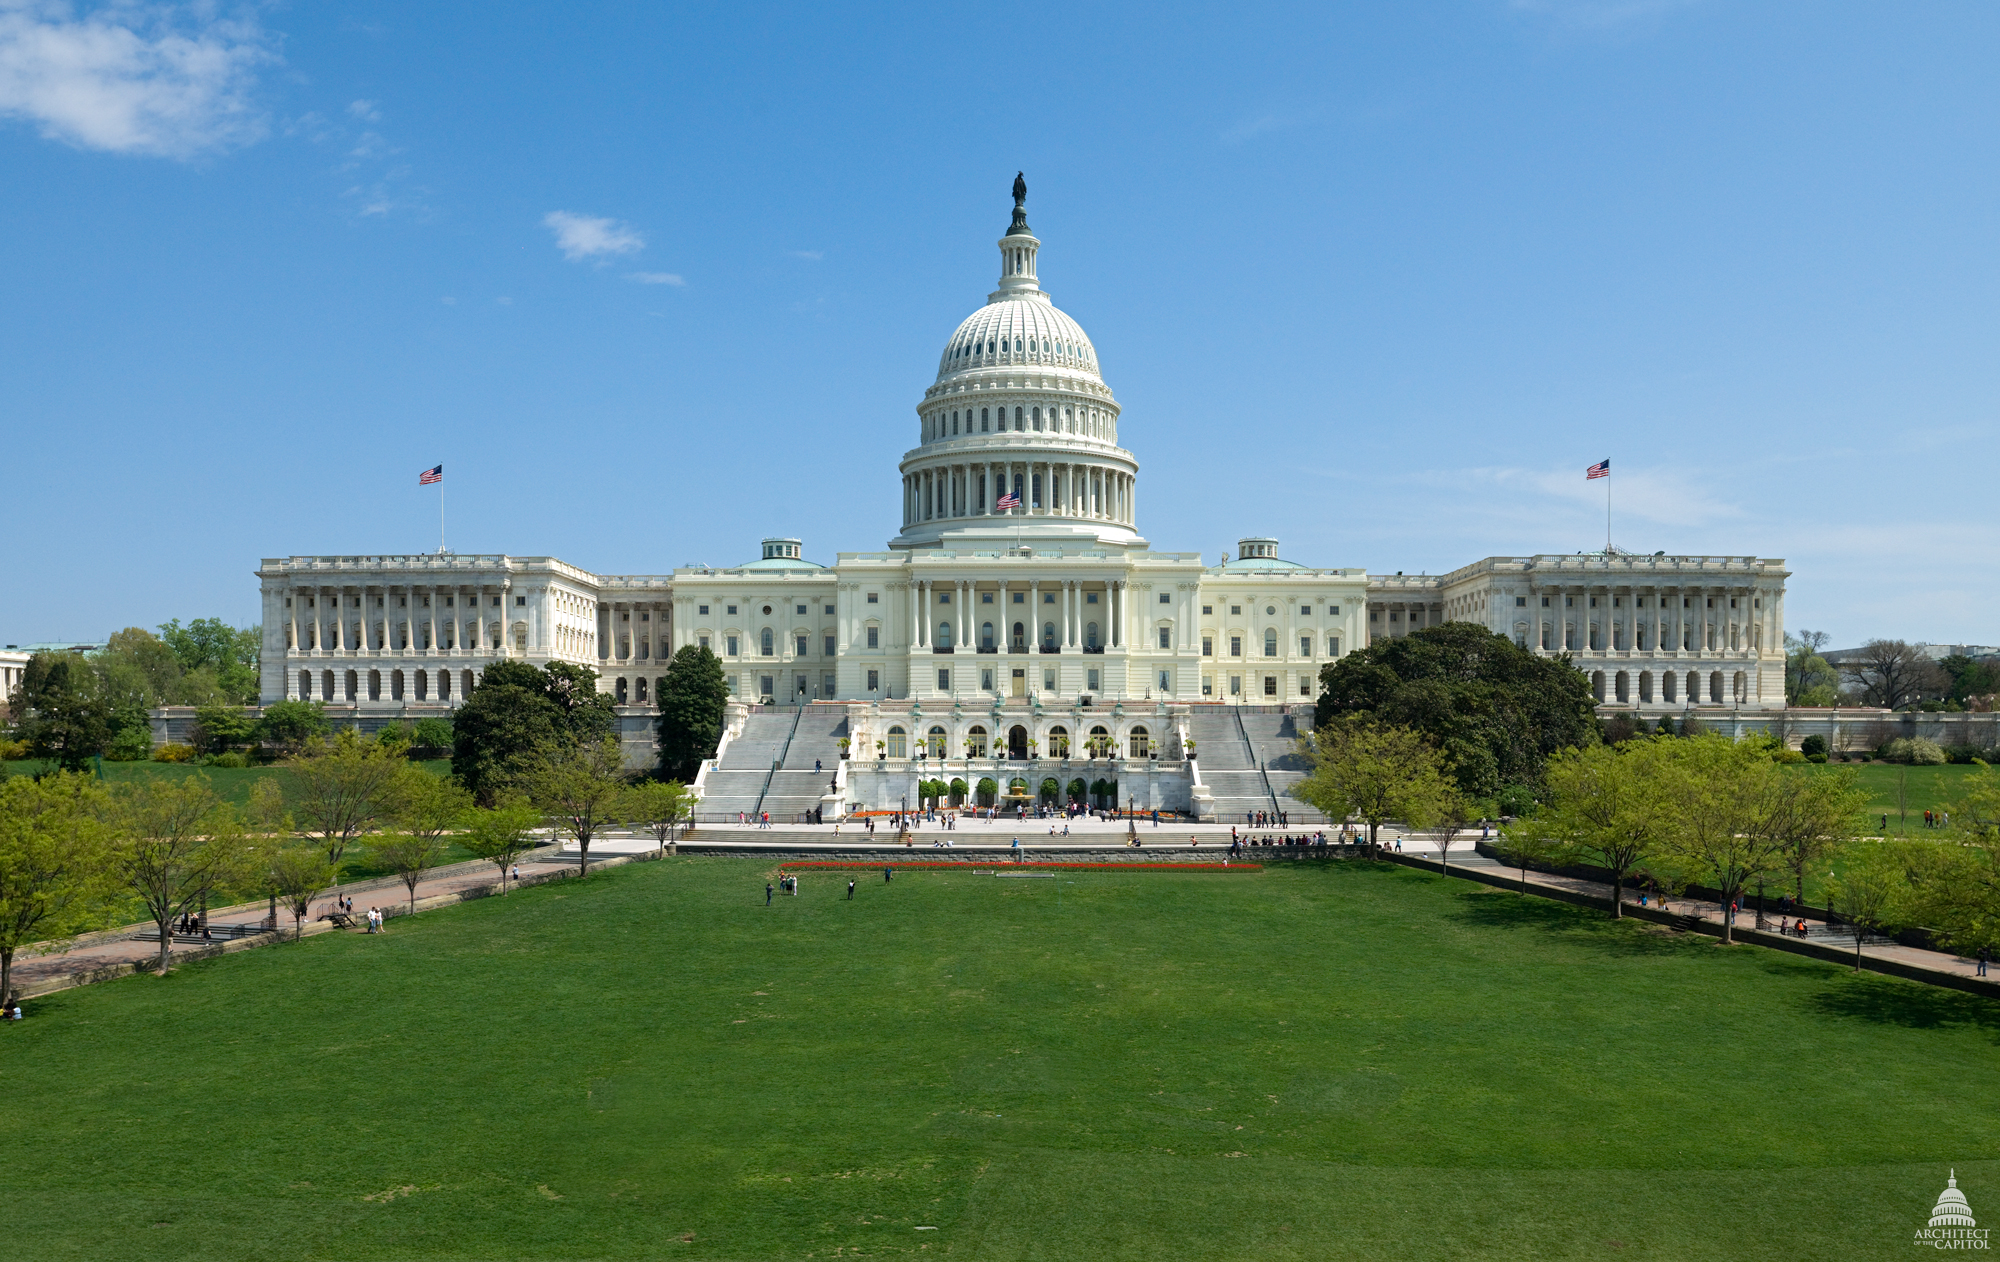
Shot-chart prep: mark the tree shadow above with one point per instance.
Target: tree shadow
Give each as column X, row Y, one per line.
column 1493, row 908
column 1913, row 1005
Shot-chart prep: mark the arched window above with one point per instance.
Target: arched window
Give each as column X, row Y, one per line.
column 944, row 635
column 897, row 743
column 986, row 635
column 1270, row 643
column 1140, row 743
column 1020, row 637
column 1048, row 635
column 1090, row 635
column 977, row 738
column 1017, row 351
column 982, row 420
column 937, row 742
column 1059, row 742
column 1038, row 420
column 954, row 422
column 768, row 645
column 1019, row 424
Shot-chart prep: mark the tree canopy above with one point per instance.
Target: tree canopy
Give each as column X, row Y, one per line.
column 514, row 713
column 693, row 698
column 60, row 711
column 1495, row 711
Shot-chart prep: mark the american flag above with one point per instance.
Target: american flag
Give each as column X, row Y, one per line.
column 1009, row 500
column 429, row 476
column 1602, row 469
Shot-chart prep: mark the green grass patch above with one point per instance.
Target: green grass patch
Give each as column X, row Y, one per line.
column 1331, row 1061
column 231, row 784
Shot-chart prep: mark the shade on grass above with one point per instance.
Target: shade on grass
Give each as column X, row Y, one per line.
column 1337, row 1061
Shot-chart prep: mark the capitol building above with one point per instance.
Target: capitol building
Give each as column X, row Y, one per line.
column 1019, row 615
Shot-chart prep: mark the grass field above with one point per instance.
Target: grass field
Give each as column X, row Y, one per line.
column 231, row 784
column 1354, row 1061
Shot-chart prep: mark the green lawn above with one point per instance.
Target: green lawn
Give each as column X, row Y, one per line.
column 1927, row 788
column 232, row 784
column 1350, row 1061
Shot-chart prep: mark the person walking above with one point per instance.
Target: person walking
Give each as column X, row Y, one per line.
column 1985, row 957
column 887, row 874
column 850, row 891
column 768, row 891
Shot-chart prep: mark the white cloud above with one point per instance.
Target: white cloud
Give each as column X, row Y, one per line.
column 132, row 78
column 587, row 236
column 809, row 255
column 365, row 111
column 656, row 278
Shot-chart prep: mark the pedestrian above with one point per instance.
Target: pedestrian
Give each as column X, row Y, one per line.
column 887, row 874
column 517, row 874
column 1985, row 957
column 815, row 766
column 850, row 891
column 767, row 893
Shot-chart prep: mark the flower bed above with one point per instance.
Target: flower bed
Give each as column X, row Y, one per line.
column 862, row 865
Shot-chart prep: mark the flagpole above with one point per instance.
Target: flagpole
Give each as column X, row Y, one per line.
column 440, row 516
column 1607, row 513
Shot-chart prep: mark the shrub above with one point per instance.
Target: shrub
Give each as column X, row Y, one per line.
column 1964, row 755
column 432, row 733
column 1813, row 745
column 1815, row 757
column 13, row 751
column 130, row 744
column 231, row 759
column 173, row 752
column 1917, row 751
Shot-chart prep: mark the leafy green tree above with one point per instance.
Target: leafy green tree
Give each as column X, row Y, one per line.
column 1376, row 772
column 496, row 735
column 339, row 788
column 1869, row 892
column 1526, row 844
column 582, row 712
column 432, row 733
column 580, row 787
column 175, row 843
column 503, row 833
column 1807, row 813
column 1809, row 679
column 1609, row 805
column 693, row 698
column 1970, row 678
column 59, row 711
column 298, row 874
column 219, row 728
column 54, row 861
column 1716, row 793
column 659, row 806
column 288, row 725
column 1496, row 712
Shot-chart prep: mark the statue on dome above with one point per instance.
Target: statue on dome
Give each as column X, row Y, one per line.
column 1020, row 223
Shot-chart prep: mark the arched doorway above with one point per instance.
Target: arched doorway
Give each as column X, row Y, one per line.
column 1020, row 642
column 1017, row 742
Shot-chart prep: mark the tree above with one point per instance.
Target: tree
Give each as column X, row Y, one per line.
column 1970, row 679
column 693, row 698
column 583, row 714
column 1495, row 711
column 340, row 787
column 1526, row 845
column 1609, row 805
column 175, row 843
column 501, row 834
column 1716, row 790
column 59, row 711
column 1374, row 771
column 1449, row 819
column 432, row 733
column 1893, row 674
column 288, row 725
column 224, row 654
column 298, row 874
column 219, row 729
column 1868, row 892
column 580, row 787
column 424, row 808
column 54, row 861
column 496, row 733
column 659, row 806
column 1806, row 813
column 1809, row 680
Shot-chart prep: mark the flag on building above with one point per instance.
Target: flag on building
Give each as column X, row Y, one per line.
column 1602, row 469
column 1007, row 501
column 436, row 474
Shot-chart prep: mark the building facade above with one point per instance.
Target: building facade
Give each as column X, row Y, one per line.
column 1019, row 605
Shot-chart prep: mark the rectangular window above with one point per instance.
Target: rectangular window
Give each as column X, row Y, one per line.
column 1520, row 602
column 1090, row 598
column 874, row 637
column 829, row 609
column 944, row 681
column 1208, row 608
column 1306, row 686
column 520, row 602
column 802, row 609
column 1333, row 646
column 986, row 598
column 1305, row 646
column 1208, row 646
column 704, row 641
column 801, row 642
column 829, row 646
column 1048, row 680
column 944, row 598
column 732, row 609
column 986, row 679
column 1207, row 685
column 732, row 646
column 765, row 686
column 1545, row 602
column 730, row 682
column 1270, row 685
column 1020, row 598
column 1236, row 685
column 1166, row 682
column 874, row 680
column 1333, row 611
column 1235, row 609
column 1166, row 598
column 873, row 599
column 1236, row 646
column 826, row 686
column 1090, row 680
column 1166, row 637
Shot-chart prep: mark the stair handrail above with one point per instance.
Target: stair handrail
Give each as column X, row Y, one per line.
column 1257, row 763
column 778, row 762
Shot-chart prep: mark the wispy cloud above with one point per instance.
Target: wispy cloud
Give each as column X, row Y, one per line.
column 146, row 79
column 813, row 256
column 656, row 278
column 366, row 111
column 588, row 236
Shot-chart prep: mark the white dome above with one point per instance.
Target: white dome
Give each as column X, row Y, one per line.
column 1019, row 328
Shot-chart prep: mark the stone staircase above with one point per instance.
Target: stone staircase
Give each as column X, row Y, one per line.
column 1247, row 760
column 737, row 782
column 796, row 787
column 1274, row 739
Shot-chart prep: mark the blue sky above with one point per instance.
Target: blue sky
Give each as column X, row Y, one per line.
column 653, row 281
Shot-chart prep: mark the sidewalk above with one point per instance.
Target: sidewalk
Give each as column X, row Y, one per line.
column 1914, row 963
